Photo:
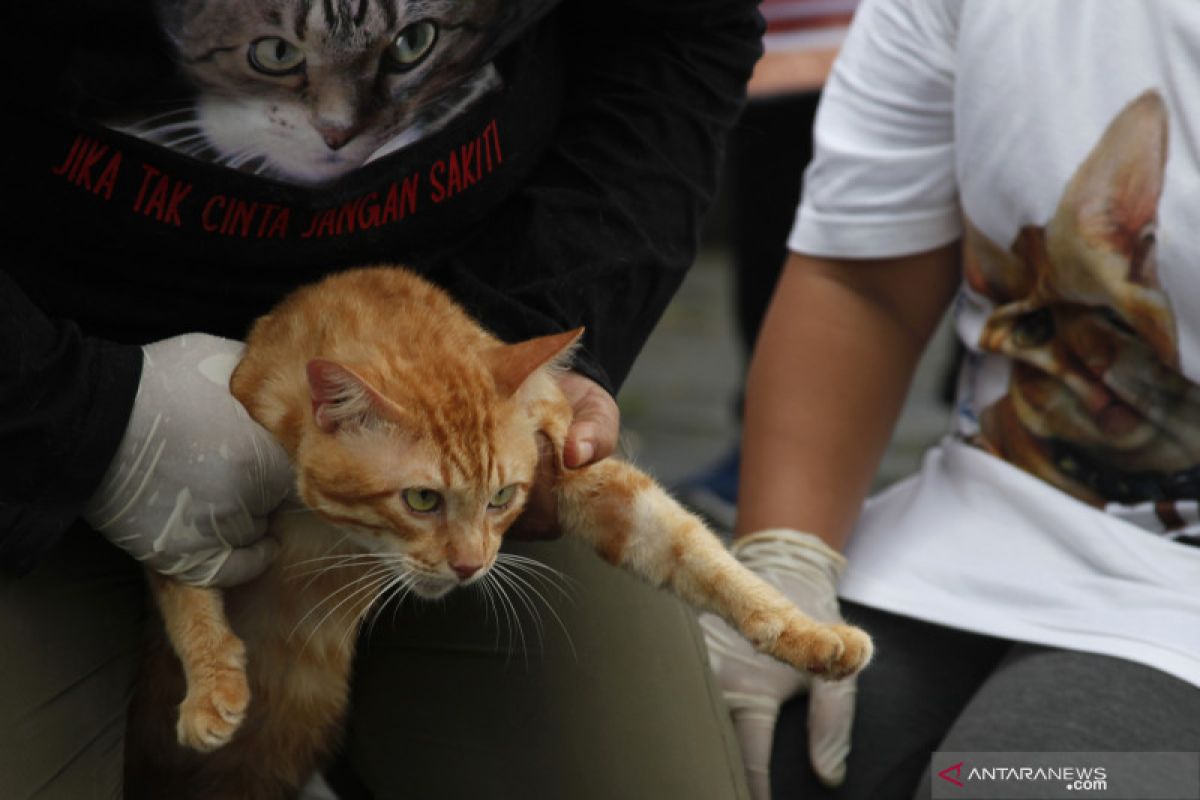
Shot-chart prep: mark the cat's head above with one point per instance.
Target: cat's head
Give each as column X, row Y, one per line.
column 307, row 91
column 429, row 464
column 1081, row 311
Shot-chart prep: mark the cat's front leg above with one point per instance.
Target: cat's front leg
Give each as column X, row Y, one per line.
column 632, row 522
column 213, row 659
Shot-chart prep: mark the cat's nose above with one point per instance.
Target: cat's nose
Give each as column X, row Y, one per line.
column 336, row 138
column 464, row 571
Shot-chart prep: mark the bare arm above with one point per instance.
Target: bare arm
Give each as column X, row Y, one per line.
column 827, row 381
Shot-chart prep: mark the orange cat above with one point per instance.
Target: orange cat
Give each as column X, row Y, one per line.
column 414, row 435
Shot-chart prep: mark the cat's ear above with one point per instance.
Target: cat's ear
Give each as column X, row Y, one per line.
column 1113, row 196
column 341, row 397
column 512, row 364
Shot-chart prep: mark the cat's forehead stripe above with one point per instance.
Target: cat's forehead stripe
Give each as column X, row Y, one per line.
column 389, row 15
column 461, row 423
column 301, row 23
column 346, row 15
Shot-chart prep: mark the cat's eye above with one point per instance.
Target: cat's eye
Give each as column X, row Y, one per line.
column 1034, row 329
column 1114, row 319
column 412, row 45
column 275, row 56
column 503, row 497
column 422, row 501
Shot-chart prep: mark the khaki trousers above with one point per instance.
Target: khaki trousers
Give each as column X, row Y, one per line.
column 449, row 701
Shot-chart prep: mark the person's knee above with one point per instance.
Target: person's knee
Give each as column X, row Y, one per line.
column 76, row 622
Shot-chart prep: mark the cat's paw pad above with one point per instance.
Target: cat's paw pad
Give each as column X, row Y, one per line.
column 214, row 709
column 856, row 652
column 813, row 648
column 830, row 651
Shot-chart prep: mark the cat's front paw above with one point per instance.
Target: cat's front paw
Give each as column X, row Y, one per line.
column 857, row 650
column 830, row 651
column 216, row 702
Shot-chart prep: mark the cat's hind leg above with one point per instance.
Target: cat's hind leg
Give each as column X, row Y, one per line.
column 213, row 659
column 632, row 522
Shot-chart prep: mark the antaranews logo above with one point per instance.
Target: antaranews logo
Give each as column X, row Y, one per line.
column 953, row 774
column 1000, row 776
column 1073, row 778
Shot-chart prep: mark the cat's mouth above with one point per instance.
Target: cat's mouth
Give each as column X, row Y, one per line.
column 429, row 587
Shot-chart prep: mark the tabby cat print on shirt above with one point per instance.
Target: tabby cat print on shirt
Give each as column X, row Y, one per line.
column 307, row 90
column 1096, row 402
column 415, row 438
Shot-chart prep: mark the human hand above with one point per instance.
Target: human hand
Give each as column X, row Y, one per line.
column 806, row 570
column 592, row 436
column 595, row 424
column 192, row 482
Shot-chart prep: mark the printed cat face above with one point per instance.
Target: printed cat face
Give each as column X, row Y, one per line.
column 307, row 91
column 429, row 470
column 1095, row 394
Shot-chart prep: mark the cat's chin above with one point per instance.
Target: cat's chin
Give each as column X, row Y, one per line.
column 275, row 140
column 432, row 589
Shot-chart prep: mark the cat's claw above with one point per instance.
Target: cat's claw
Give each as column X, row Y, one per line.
column 215, row 705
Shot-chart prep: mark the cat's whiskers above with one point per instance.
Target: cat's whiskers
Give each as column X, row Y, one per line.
column 336, row 544
column 508, row 590
column 372, row 572
column 187, row 126
column 395, row 591
column 484, row 589
column 559, row 580
column 512, row 622
column 524, row 588
column 239, row 158
column 379, row 571
column 332, row 562
column 329, row 561
column 184, row 142
column 514, row 569
column 494, row 594
column 243, row 157
column 519, row 590
column 393, row 579
column 148, row 126
column 376, row 580
column 352, row 562
column 375, row 590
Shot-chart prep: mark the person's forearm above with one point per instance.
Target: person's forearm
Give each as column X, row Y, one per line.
column 64, row 403
column 827, row 381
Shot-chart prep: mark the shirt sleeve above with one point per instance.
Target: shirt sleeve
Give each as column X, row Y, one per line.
column 64, row 403
column 607, row 225
column 882, row 181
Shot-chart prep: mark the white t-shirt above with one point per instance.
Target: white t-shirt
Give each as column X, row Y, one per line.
column 1060, row 140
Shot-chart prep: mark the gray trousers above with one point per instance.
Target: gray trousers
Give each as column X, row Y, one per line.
column 932, row 688
column 446, row 704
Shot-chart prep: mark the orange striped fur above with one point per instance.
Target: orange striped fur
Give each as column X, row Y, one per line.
column 376, row 383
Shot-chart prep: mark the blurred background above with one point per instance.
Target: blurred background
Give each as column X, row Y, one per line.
column 680, row 404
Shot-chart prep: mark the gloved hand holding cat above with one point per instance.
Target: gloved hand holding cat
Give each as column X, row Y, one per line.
column 190, row 488
column 755, row 685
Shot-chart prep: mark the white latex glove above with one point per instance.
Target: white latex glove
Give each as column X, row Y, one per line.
column 806, row 570
column 194, row 477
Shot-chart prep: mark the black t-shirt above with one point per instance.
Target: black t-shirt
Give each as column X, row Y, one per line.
column 183, row 244
column 569, row 195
